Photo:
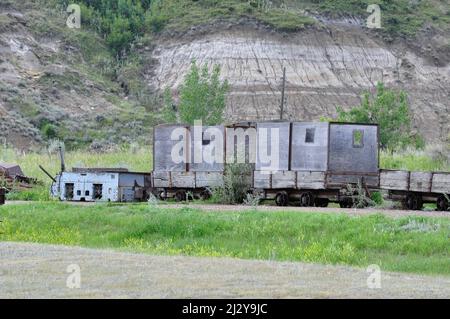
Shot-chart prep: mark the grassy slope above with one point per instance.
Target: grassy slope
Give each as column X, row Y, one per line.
column 404, row 17
column 413, row 244
column 91, row 74
column 398, row 17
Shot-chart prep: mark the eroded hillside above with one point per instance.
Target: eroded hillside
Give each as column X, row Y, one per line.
column 61, row 83
column 327, row 65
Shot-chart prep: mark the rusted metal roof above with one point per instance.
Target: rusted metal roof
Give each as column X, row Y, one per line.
column 11, row 170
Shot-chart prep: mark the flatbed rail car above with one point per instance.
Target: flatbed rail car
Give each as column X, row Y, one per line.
column 414, row 189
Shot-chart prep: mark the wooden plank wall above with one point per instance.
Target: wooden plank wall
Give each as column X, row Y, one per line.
column 441, row 183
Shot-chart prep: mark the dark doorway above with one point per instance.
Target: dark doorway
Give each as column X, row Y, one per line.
column 69, row 191
column 98, row 191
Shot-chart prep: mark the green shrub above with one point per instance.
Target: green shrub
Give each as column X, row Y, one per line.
column 237, row 183
column 377, row 198
column 49, row 131
column 390, row 110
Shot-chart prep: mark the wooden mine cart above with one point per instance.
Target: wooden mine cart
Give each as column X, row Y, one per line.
column 318, row 162
column 416, row 188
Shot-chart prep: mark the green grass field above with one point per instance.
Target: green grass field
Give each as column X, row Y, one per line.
column 413, row 244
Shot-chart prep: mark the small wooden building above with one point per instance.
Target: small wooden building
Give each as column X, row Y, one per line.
column 101, row 184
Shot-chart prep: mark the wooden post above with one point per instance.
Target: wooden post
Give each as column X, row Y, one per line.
column 63, row 163
column 2, row 195
column 282, row 93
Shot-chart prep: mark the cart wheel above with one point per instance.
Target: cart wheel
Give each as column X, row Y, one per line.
column 346, row 203
column 321, row 202
column 306, row 199
column 180, row 196
column 160, row 194
column 205, row 194
column 413, row 202
column 282, row 199
column 442, row 203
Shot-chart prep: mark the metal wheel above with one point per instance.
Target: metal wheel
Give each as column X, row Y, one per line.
column 282, row 199
column 180, row 196
column 346, row 203
column 160, row 194
column 413, row 202
column 306, row 199
column 321, row 202
column 442, row 203
column 205, row 194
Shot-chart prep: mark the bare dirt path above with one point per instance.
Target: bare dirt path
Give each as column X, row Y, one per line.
column 40, row 271
column 395, row 213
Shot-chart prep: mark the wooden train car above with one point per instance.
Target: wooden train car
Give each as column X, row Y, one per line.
column 309, row 163
column 318, row 161
column 180, row 163
column 414, row 189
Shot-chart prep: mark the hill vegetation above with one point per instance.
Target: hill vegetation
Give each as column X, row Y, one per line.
column 123, row 21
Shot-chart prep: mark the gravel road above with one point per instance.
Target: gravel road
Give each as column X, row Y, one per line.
column 40, row 271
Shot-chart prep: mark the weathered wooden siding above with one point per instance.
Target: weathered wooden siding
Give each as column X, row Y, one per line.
column 241, row 144
column 209, row 179
column 207, row 143
column 162, row 179
column 441, row 183
column 342, row 180
column 183, row 179
column 168, row 179
column 276, row 180
column 163, row 145
column 309, row 149
column 420, row 182
column 424, row 182
column 311, row 180
column 394, row 180
column 281, row 152
column 346, row 156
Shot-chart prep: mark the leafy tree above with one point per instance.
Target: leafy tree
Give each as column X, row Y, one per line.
column 119, row 36
column 390, row 110
column 119, row 21
column 202, row 96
